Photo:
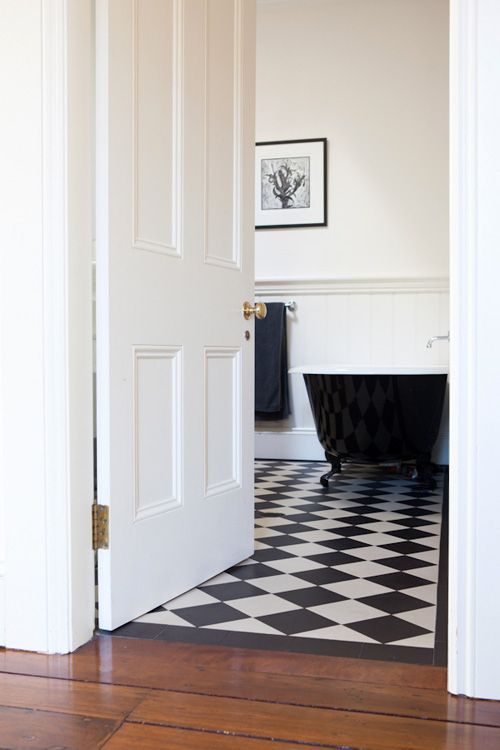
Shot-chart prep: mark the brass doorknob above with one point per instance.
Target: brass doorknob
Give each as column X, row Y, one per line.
column 259, row 310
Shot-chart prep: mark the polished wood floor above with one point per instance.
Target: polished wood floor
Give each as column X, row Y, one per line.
column 124, row 694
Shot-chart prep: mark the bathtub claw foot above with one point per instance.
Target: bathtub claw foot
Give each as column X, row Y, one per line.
column 336, row 469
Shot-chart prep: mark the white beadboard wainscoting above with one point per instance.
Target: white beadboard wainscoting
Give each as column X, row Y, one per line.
column 353, row 321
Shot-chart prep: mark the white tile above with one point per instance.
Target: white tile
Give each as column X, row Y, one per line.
column 424, row 618
column 164, row 618
column 260, row 545
column 330, row 513
column 326, row 523
column 247, row 625
column 434, row 528
column 272, row 521
column 432, row 556
column 306, row 550
column 294, row 564
column 318, row 535
column 258, row 606
column 363, row 569
column 347, row 611
column 426, row 593
column 430, row 574
column 221, row 578
column 420, row 641
column 193, row 598
column 372, row 553
column 387, row 515
column 275, row 584
column 337, row 633
column 262, row 533
column 381, row 526
column 356, row 589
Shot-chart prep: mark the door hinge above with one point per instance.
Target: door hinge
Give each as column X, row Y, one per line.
column 100, row 526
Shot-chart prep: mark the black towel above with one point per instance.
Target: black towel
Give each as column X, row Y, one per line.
column 271, row 368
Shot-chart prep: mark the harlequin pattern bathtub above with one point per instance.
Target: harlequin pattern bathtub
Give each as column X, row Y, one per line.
column 376, row 414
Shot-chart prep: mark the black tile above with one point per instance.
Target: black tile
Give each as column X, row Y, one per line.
column 387, row 629
column 272, row 553
column 343, row 544
column 209, row 614
column 334, row 558
column 394, row 602
column 234, row 590
column 252, row 571
column 403, row 562
column 399, row 581
column 282, row 541
column 409, row 534
column 296, row 621
column 324, row 575
column 355, row 519
column 363, row 509
column 300, row 517
column 350, row 531
column 311, row 507
column 311, row 597
column 413, row 522
column 292, row 528
column 407, row 548
column 414, row 512
column 268, row 506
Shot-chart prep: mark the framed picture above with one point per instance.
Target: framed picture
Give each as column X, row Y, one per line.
column 290, row 184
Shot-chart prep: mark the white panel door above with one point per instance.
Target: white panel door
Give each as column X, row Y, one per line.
column 175, row 135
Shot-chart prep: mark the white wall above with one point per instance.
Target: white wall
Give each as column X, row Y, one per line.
column 372, row 286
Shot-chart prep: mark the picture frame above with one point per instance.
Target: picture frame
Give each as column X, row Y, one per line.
column 291, row 184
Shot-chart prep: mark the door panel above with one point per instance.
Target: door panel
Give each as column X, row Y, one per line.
column 175, row 95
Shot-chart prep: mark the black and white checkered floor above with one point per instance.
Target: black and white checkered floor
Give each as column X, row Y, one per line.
column 357, row 564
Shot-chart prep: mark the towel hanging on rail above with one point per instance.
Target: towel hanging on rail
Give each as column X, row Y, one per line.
column 271, row 364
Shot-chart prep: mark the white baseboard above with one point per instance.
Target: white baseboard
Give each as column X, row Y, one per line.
column 302, row 444
column 299, row 444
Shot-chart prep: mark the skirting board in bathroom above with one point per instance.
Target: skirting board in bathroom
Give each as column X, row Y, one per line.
column 301, row 444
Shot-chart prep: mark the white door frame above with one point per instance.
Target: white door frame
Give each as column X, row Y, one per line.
column 46, row 473
column 47, row 558
column 474, row 604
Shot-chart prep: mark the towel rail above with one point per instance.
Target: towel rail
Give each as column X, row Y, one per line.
column 292, row 305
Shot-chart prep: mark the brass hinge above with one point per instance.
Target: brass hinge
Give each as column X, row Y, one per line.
column 100, row 526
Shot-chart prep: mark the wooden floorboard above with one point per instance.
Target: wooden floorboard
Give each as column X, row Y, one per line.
column 23, row 729
column 146, row 737
column 121, row 693
column 80, row 698
column 86, row 664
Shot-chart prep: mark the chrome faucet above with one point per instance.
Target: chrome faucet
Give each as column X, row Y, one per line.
column 437, row 338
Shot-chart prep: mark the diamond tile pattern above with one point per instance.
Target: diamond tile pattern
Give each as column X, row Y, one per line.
column 358, row 562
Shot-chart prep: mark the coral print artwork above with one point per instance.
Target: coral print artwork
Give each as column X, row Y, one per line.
column 291, row 184
column 285, row 183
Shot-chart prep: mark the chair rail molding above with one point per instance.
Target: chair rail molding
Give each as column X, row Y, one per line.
column 362, row 285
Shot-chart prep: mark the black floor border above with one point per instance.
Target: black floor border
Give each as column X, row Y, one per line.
column 441, row 638
column 265, row 642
